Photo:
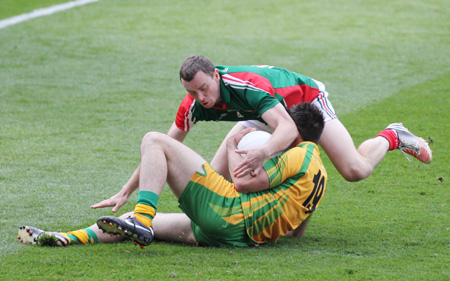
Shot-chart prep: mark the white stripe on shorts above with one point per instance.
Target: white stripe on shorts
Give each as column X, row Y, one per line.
column 323, row 103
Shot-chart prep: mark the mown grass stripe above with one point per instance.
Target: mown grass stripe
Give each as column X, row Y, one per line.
column 43, row 12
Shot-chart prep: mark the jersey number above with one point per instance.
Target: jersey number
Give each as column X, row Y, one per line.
column 316, row 194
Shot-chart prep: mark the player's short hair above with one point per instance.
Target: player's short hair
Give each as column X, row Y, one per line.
column 194, row 64
column 309, row 121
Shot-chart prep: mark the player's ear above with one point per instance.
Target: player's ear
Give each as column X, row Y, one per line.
column 216, row 74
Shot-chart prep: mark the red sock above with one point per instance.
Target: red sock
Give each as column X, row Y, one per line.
column 391, row 137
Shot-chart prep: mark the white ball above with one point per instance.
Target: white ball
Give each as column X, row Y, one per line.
column 253, row 140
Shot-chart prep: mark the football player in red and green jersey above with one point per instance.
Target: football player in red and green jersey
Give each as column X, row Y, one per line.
column 238, row 93
column 246, row 92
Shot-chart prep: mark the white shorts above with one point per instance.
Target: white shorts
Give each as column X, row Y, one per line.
column 321, row 102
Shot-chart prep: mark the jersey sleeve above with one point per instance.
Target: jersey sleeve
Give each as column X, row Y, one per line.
column 184, row 118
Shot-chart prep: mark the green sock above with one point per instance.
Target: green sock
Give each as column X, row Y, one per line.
column 83, row 236
column 148, row 198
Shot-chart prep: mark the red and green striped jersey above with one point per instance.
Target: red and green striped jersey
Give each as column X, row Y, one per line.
column 297, row 185
column 247, row 92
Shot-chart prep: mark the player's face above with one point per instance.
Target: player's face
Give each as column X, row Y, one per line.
column 204, row 88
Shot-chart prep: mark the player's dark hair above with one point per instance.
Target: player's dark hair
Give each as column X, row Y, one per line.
column 194, row 64
column 309, row 121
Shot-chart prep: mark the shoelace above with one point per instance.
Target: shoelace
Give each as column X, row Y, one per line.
column 406, row 155
column 411, row 148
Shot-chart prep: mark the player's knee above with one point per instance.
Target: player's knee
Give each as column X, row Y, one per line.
column 355, row 173
column 126, row 215
column 151, row 138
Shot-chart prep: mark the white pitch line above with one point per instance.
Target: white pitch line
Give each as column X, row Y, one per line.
column 43, row 12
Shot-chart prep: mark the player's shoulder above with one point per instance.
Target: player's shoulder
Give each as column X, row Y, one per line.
column 230, row 69
column 244, row 75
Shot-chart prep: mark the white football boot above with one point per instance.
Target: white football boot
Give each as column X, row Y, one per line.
column 411, row 144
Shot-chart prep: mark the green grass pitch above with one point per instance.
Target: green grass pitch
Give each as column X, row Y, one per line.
column 80, row 88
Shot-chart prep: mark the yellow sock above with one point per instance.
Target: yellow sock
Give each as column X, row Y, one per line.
column 70, row 238
column 144, row 214
column 83, row 236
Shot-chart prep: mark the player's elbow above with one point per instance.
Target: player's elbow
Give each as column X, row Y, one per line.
column 242, row 187
column 247, row 186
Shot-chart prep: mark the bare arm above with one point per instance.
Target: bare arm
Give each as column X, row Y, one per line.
column 284, row 134
column 176, row 133
column 246, row 183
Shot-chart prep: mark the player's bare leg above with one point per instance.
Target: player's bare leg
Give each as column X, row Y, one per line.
column 91, row 235
column 173, row 227
column 353, row 164
column 163, row 159
column 357, row 164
